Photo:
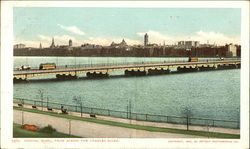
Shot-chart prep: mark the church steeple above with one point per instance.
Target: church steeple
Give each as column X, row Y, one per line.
column 53, row 43
column 40, row 46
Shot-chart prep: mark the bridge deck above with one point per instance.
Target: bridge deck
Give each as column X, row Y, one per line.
column 79, row 70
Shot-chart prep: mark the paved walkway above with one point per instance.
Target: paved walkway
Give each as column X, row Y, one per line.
column 146, row 123
column 88, row 129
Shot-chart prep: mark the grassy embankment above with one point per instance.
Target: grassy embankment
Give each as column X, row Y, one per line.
column 19, row 132
column 147, row 128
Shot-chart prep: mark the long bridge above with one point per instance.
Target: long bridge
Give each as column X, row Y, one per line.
column 129, row 69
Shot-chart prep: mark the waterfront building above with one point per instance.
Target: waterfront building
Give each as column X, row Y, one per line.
column 188, row 44
column 118, row 45
column 232, row 49
column 146, row 39
column 70, row 43
column 19, row 46
column 181, row 43
column 196, row 43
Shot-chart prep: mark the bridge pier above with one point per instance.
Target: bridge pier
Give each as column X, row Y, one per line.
column 17, row 80
column 202, row 68
column 229, row 66
column 135, row 73
column 186, row 69
column 65, row 77
column 97, row 75
column 158, row 71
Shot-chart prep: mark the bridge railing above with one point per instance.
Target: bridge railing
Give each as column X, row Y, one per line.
column 132, row 115
column 89, row 65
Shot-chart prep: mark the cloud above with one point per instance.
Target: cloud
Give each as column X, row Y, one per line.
column 47, row 40
column 213, row 37
column 108, row 40
column 154, row 37
column 64, row 40
column 72, row 29
column 30, row 43
column 60, row 39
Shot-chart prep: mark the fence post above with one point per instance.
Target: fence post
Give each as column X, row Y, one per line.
column 146, row 117
column 42, row 104
column 187, row 123
column 61, row 107
column 81, row 109
column 108, row 112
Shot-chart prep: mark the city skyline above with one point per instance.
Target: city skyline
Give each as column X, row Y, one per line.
column 102, row 26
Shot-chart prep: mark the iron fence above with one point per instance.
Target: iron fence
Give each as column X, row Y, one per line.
column 134, row 116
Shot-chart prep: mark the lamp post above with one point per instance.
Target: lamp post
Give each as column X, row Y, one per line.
column 187, row 113
column 47, row 102
column 78, row 100
column 41, row 97
column 129, row 109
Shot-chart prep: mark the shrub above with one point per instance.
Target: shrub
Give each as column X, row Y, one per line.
column 48, row 129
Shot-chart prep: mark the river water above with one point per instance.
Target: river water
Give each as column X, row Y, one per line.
column 213, row 94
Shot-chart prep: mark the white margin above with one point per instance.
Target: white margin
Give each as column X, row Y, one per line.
column 7, row 65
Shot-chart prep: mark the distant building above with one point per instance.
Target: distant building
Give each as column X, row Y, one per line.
column 121, row 44
column 238, row 50
column 52, row 44
column 153, row 45
column 188, row 44
column 40, row 46
column 146, row 39
column 232, row 49
column 70, row 43
column 90, row 46
column 19, row 46
column 181, row 43
column 196, row 43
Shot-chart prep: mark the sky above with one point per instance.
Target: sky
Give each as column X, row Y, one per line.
column 35, row 25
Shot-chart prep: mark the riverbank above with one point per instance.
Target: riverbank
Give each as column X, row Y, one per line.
column 131, row 125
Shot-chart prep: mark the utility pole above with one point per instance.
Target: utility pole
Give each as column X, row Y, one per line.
column 69, row 126
column 22, row 118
